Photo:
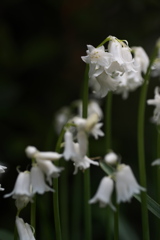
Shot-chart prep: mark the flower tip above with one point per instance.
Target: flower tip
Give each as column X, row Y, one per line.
column 30, row 151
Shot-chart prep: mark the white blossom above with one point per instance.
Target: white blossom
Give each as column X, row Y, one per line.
column 104, row 192
column 141, row 59
column 24, row 230
column 97, row 56
column 93, row 107
column 50, row 170
column 121, row 53
column 32, row 152
column 38, row 181
column 69, row 149
column 126, row 184
column 156, row 162
column 1, row 189
column 156, row 103
column 22, row 190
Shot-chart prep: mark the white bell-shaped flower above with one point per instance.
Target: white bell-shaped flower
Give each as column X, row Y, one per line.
column 104, row 193
column 81, row 163
column 50, row 170
column 121, row 53
column 126, row 184
column 97, row 56
column 22, row 191
column 38, row 181
column 103, row 83
column 32, row 152
column 156, row 103
column 24, row 230
column 69, row 149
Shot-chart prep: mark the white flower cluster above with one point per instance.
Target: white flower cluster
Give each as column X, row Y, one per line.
column 115, row 69
column 65, row 114
column 2, row 170
column 77, row 151
column 123, row 179
column 29, row 183
column 156, row 103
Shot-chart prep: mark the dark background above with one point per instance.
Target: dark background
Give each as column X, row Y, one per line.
column 41, row 44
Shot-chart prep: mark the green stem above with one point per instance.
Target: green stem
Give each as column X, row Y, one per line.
column 87, row 208
column 56, row 193
column 116, row 222
column 108, row 145
column 33, row 213
column 141, row 151
column 108, row 118
column 158, row 169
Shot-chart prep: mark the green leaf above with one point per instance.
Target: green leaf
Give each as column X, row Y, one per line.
column 152, row 205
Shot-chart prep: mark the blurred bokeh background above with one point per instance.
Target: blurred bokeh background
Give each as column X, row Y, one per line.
column 41, row 44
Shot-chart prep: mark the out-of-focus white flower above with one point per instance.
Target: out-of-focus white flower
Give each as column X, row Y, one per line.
column 156, row 162
column 2, row 169
column 50, row 170
column 104, row 192
column 156, row 65
column 93, row 107
column 32, row 152
column 38, row 181
column 156, row 103
column 141, row 58
column 22, row 191
column 61, row 118
column 126, row 184
column 111, row 158
column 24, row 230
column 1, row 189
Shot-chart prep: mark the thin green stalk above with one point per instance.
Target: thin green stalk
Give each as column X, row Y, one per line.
column 158, row 169
column 56, row 194
column 64, row 202
column 87, row 208
column 108, row 145
column 141, row 150
column 116, row 222
column 158, row 180
column 33, row 213
column 76, row 207
column 108, row 128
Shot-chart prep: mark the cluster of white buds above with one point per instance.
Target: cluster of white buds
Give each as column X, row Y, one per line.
column 77, row 151
column 123, row 179
column 2, row 170
column 115, row 69
column 29, row 183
